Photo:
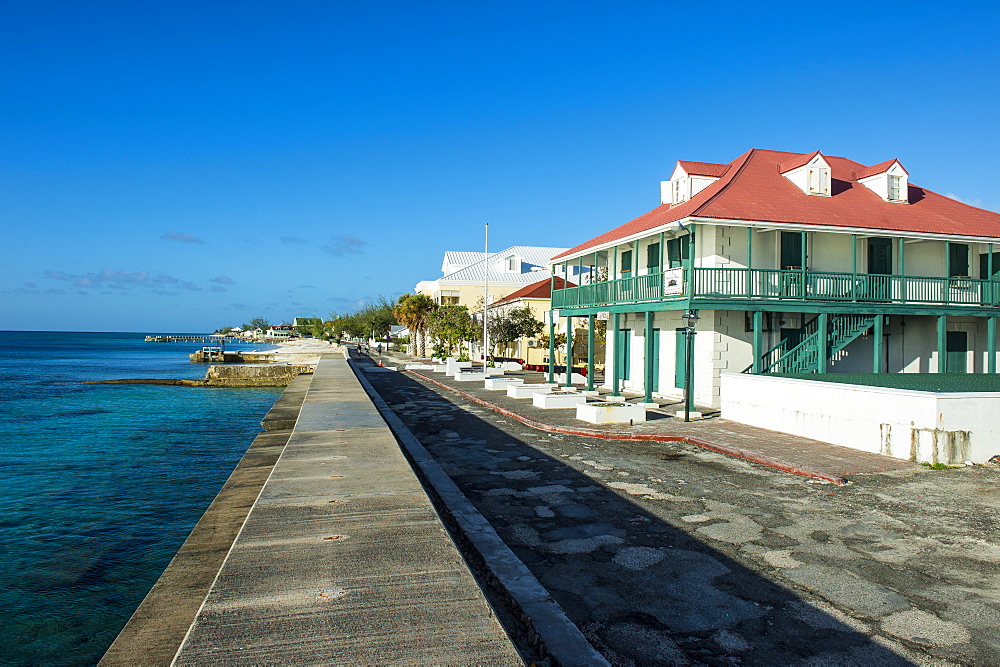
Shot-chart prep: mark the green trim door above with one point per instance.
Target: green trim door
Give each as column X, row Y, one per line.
column 991, row 291
column 957, row 351
column 792, row 258
column 879, row 267
column 623, row 353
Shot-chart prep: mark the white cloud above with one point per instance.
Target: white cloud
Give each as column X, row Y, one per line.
column 181, row 237
column 970, row 202
column 343, row 244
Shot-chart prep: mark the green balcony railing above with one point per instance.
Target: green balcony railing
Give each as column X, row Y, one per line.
column 775, row 284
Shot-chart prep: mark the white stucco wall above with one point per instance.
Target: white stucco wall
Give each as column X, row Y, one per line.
column 896, row 422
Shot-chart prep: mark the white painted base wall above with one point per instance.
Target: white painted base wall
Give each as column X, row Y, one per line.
column 916, row 425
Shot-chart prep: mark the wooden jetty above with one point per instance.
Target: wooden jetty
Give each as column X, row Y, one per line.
column 206, row 338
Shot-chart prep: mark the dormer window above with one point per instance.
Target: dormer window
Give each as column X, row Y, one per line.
column 680, row 191
column 512, row 264
column 810, row 173
column 819, row 181
column 895, row 187
column 889, row 180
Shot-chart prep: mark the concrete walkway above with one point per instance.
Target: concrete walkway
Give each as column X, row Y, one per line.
column 342, row 559
column 794, row 454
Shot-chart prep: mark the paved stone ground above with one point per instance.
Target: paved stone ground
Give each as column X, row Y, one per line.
column 666, row 553
column 795, row 451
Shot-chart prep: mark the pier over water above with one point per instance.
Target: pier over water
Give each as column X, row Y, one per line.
column 342, row 559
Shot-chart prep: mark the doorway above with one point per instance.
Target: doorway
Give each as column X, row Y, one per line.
column 879, row 267
column 956, row 352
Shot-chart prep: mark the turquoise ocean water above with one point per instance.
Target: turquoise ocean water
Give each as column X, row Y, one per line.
column 101, row 483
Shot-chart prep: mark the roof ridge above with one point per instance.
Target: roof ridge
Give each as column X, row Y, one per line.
column 729, row 181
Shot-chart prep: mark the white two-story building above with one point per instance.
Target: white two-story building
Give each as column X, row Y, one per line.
column 792, row 263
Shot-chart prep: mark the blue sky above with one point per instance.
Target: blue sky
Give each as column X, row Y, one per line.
column 179, row 166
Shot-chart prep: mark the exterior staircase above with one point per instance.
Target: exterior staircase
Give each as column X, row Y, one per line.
column 804, row 357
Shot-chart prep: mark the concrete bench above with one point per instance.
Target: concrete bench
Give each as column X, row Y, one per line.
column 497, row 383
column 467, row 376
column 558, row 399
column 526, row 390
column 605, row 412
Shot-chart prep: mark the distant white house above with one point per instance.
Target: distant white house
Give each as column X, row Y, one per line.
column 464, row 274
column 282, row 330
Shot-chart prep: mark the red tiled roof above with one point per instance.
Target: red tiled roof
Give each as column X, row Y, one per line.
column 879, row 168
column 540, row 290
column 796, row 162
column 703, row 168
column 753, row 190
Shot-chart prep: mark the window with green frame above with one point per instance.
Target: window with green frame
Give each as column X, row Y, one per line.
column 958, row 260
column 626, row 261
column 677, row 251
column 653, row 257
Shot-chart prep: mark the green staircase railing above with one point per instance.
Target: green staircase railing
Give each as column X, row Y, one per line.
column 788, row 342
column 804, row 357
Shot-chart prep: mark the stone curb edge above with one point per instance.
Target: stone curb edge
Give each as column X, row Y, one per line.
column 735, row 452
column 554, row 634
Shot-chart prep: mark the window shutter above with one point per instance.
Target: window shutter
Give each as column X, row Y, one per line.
column 824, row 181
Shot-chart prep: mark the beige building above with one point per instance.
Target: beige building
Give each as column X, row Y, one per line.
column 534, row 351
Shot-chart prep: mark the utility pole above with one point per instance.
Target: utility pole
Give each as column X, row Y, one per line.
column 486, row 298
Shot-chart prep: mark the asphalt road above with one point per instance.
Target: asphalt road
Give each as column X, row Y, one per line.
column 664, row 553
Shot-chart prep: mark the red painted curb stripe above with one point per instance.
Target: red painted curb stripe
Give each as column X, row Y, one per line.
column 735, row 452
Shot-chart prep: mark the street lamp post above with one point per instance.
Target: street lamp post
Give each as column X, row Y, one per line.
column 690, row 318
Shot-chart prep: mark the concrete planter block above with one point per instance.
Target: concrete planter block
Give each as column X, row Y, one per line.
column 470, row 377
column 526, row 390
column 511, row 366
column 694, row 414
column 575, row 379
column 591, row 392
column 610, row 413
column 440, row 368
column 494, row 370
column 558, row 399
column 419, row 367
column 502, row 382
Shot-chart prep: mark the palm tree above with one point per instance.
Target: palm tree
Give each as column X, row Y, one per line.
column 414, row 312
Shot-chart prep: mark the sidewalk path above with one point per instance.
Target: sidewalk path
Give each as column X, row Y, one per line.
column 343, row 559
column 794, row 454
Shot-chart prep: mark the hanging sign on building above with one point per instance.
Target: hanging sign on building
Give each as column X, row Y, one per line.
column 673, row 282
column 604, row 315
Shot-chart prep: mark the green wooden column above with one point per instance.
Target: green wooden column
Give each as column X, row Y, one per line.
column 991, row 345
column 854, row 265
column 878, row 355
column 942, row 340
column 616, row 373
column 758, row 339
column 688, row 263
column 591, row 321
column 569, row 351
column 947, row 268
column 648, row 369
column 990, row 286
column 902, row 270
column 552, row 283
column 749, row 262
column 552, row 345
column 823, row 336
